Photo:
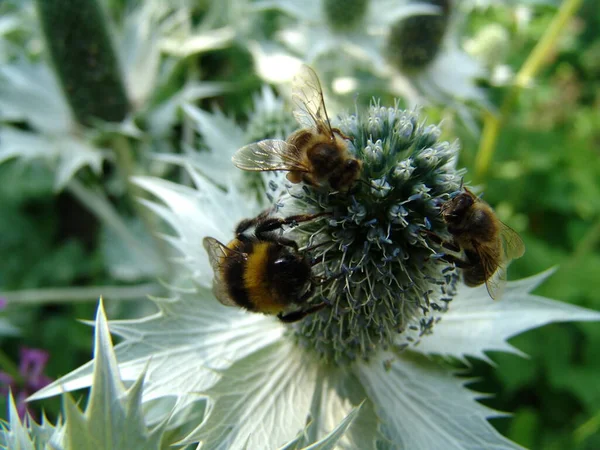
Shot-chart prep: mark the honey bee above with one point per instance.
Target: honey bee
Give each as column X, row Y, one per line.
column 263, row 271
column 488, row 244
column 317, row 154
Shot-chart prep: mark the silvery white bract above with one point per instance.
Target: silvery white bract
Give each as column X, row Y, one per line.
column 113, row 417
column 325, row 28
column 27, row 434
column 30, row 92
column 222, row 136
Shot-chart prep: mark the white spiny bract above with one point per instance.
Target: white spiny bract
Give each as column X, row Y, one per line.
column 221, row 136
column 113, row 417
column 268, row 384
column 27, row 434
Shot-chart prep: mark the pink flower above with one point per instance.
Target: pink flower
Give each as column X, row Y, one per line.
column 31, row 378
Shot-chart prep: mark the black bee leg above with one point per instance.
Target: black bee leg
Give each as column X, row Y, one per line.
column 338, row 131
column 451, row 246
column 438, row 240
column 283, row 241
column 317, row 260
column 434, row 237
column 274, row 223
column 295, row 316
column 458, row 262
column 247, row 223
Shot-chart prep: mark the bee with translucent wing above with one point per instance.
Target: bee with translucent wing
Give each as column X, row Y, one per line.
column 316, row 154
column 262, row 271
column 488, row 245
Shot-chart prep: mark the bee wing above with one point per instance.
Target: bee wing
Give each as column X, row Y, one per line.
column 512, row 243
column 270, row 154
column 494, row 270
column 309, row 105
column 512, row 248
column 496, row 283
column 217, row 252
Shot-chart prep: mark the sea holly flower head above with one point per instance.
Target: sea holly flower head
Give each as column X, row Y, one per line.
column 386, row 287
column 390, row 302
column 424, row 59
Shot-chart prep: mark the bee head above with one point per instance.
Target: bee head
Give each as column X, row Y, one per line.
column 454, row 210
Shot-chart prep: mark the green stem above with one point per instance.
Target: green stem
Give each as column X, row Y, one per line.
column 535, row 61
column 587, row 429
column 88, row 293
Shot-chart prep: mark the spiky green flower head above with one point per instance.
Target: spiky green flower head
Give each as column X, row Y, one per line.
column 384, row 285
column 415, row 41
column 269, row 118
column 344, row 15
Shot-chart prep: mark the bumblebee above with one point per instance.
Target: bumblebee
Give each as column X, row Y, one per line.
column 263, row 271
column 488, row 245
column 317, row 154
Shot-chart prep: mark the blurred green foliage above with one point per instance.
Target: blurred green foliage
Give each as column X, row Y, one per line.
column 545, row 182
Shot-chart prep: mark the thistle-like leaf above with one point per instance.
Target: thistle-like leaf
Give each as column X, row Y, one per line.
column 329, row 441
column 68, row 154
column 421, row 406
column 261, row 401
column 180, row 347
column 26, row 435
column 476, row 324
column 113, row 417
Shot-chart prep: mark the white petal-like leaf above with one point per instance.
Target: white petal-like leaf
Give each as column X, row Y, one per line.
column 65, row 152
column 165, row 115
column 197, row 213
column 422, row 406
column 31, row 92
column 261, row 401
column 198, row 43
column 222, row 137
column 113, row 417
column 337, row 393
column 475, row 324
column 15, row 435
column 180, row 347
column 329, row 441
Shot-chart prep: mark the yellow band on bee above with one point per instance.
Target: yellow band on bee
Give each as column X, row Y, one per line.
column 256, row 280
